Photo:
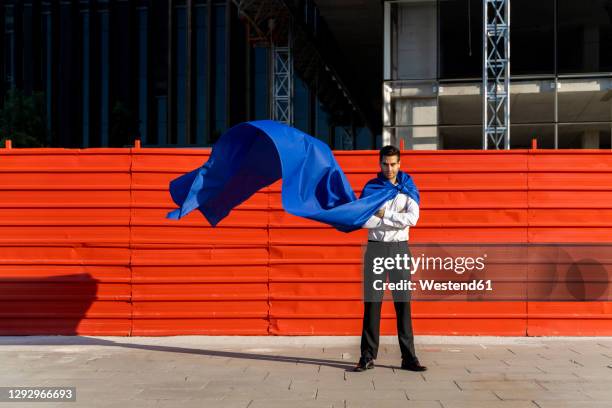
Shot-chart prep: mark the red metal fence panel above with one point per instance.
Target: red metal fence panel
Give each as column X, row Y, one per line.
column 570, row 200
column 64, row 241
column 85, row 247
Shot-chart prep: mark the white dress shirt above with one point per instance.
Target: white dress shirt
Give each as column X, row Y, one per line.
column 401, row 213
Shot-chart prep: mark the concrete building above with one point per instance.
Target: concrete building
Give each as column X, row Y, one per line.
column 354, row 73
column 560, row 73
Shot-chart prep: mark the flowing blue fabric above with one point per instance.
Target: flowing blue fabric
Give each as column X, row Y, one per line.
column 253, row 155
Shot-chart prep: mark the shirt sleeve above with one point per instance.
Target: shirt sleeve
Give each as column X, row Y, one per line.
column 408, row 217
column 373, row 222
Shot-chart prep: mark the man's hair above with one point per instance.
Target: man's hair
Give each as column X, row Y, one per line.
column 389, row 151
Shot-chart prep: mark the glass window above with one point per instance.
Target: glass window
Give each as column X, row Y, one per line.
column 460, row 104
column 415, row 111
column 143, row 55
column 29, row 28
column 9, row 45
column 585, row 100
column 413, row 103
column 460, row 137
column 364, row 139
column 460, row 39
column 584, row 136
column 413, row 40
column 47, row 67
column 532, row 37
column 158, row 73
column 416, row 137
column 301, row 105
column 522, row 134
column 343, row 138
column 339, row 136
column 260, row 98
column 470, row 137
column 85, row 76
column 322, row 124
column 180, row 24
column 200, row 58
column 162, row 118
column 219, row 76
column 104, row 77
column 532, row 101
column 585, row 35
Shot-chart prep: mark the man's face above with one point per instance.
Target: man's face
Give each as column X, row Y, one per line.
column 390, row 165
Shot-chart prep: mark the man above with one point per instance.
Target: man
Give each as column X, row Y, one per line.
column 388, row 237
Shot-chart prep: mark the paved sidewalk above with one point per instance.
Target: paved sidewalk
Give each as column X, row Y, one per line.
column 295, row 372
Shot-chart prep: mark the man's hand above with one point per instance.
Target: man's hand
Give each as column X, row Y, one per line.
column 380, row 213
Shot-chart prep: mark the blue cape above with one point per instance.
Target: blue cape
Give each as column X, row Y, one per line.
column 253, row 155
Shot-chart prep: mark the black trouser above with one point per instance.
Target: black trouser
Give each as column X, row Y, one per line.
column 373, row 302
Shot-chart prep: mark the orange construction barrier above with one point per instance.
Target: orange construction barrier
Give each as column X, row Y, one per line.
column 85, row 247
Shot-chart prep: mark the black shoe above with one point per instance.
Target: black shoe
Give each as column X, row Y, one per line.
column 413, row 365
column 364, row 364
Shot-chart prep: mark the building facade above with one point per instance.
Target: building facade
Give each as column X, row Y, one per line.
column 170, row 72
column 560, row 66
column 181, row 72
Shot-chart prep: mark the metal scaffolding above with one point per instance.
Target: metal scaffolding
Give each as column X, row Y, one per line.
column 269, row 23
column 295, row 45
column 282, row 81
column 496, row 74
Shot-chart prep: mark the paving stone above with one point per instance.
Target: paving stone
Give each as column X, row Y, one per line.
column 576, row 385
column 369, row 403
column 541, row 395
column 237, row 372
column 542, row 377
column 204, row 402
column 517, row 386
column 359, row 394
column 487, row 404
column 572, row 404
column 274, row 403
column 599, row 394
column 442, row 385
column 453, row 395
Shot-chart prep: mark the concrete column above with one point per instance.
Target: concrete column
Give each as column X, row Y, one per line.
column 387, row 132
column 590, row 139
column 424, row 138
column 423, row 115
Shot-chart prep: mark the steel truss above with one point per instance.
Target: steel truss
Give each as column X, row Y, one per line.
column 282, row 82
column 277, row 24
column 496, row 74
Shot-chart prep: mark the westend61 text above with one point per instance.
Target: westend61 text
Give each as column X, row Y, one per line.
column 429, row 284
